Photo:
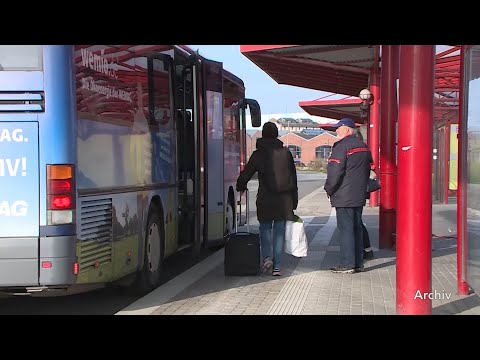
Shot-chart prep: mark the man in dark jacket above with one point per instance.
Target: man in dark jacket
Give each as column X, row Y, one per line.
column 367, row 248
column 348, row 171
column 273, row 208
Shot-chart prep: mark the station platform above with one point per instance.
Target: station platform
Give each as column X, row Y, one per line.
column 307, row 286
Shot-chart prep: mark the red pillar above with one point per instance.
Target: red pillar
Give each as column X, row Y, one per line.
column 414, row 206
column 462, row 285
column 388, row 168
column 374, row 123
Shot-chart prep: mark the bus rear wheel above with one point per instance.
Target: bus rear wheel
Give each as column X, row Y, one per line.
column 149, row 276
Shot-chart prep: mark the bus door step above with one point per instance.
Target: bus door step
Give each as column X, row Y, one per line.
column 182, row 247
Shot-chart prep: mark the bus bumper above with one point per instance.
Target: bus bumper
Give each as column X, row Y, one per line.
column 44, row 261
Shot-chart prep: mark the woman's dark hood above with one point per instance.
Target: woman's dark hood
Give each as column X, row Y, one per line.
column 265, row 143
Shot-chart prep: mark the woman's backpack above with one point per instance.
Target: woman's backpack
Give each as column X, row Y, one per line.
column 278, row 175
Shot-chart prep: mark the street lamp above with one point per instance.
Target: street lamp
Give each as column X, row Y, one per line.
column 367, row 99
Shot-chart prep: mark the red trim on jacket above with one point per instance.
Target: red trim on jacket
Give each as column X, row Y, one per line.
column 356, row 150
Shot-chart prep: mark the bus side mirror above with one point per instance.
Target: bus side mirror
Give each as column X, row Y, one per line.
column 254, row 112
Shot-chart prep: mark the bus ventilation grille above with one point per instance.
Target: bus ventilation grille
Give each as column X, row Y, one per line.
column 96, row 220
column 94, row 254
column 22, row 102
column 95, row 233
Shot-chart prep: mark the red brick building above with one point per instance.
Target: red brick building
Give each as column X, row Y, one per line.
column 252, row 136
column 305, row 146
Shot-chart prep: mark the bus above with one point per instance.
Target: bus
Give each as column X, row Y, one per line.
column 113, row 158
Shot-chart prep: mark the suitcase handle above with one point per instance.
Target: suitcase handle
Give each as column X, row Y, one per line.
column 246, row 215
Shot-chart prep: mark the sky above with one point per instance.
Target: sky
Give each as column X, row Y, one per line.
column 272, row 97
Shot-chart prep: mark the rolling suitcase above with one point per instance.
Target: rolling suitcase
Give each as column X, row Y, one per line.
column 242, row 252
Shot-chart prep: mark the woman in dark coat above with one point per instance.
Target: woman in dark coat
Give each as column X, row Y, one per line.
column 273, row 208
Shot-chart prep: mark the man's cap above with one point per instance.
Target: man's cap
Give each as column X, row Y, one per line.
column 345, row 122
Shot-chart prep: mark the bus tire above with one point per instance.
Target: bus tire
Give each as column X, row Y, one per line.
column 149, row 276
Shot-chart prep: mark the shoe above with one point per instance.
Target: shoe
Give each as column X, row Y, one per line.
column 267, row 264
column 368, row 255
column 342, row 270
column 276, row 272
column 360, row 269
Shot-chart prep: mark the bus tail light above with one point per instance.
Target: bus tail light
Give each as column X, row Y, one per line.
column 60, row 194
column 76, row 268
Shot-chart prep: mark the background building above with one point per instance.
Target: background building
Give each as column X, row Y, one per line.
column 302, row 135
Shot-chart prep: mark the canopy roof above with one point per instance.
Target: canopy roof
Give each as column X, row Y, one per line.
column 345, row 69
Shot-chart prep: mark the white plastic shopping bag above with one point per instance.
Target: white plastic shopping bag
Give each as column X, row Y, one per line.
column 295, row 239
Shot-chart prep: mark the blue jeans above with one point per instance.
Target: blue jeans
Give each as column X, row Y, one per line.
column 278, row 234
column 350, row 232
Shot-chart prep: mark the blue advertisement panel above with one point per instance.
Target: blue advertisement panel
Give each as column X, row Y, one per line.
column 19, row 195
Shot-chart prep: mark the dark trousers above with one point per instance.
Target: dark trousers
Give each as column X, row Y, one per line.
column 350, row 233
column 366, row 237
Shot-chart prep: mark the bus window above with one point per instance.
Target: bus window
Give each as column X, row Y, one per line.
column 159, row 84
column 21, row 58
